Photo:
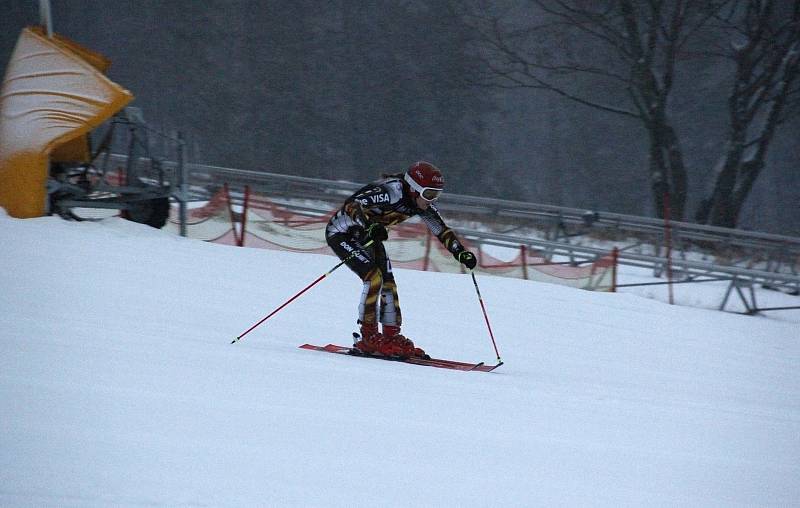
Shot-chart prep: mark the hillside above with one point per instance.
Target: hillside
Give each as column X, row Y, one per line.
column 120, row 386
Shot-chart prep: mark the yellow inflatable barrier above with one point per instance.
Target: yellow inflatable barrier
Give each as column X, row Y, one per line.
column 53, row 94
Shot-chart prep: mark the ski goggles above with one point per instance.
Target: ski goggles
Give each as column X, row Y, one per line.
column 427, row 193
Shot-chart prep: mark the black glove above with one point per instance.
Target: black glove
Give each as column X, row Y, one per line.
column 377, row 232
column 467, row 259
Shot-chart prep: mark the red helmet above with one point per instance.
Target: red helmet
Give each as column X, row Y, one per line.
column 425, row 179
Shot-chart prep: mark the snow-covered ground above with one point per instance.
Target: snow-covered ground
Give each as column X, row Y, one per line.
column 119, row 386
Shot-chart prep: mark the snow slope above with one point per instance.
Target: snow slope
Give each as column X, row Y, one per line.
column 119, row 386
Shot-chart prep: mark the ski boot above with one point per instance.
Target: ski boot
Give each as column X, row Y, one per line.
column 370, row 340
column 396, row 344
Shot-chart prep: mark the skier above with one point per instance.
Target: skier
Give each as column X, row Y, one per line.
column 365, row 216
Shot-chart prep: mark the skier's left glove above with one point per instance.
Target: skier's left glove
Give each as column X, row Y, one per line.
column 467, row 259
column 377, row 232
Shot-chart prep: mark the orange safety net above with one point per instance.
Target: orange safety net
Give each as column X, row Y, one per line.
column 272, row 226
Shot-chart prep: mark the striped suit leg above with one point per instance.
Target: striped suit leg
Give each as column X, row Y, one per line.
column 368, row 307
column 390, row 303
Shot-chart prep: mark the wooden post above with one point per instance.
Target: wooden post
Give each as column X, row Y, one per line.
column 668, row 245
column 427, row 252
column 244, row 214
column 615, row 257
column 524, row 258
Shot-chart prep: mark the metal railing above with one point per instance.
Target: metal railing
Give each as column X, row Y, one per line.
column 562, row 224
column 742, row 258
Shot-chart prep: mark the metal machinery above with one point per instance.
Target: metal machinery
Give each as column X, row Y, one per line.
column 140, row 186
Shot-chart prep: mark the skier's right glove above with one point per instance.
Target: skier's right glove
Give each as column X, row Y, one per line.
column 377, row 232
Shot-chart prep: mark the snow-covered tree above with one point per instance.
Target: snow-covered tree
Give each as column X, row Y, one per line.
column 618, row 57
column 762, row 40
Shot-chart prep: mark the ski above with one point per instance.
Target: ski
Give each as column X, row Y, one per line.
column 428, row 362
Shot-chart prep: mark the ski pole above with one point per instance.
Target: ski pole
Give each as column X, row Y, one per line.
column 485, row 316
column 290, row 300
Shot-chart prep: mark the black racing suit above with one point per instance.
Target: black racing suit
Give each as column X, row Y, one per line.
column 388, row 202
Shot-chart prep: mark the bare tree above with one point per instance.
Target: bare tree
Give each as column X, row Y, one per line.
column 763, row 42
column 617, row 56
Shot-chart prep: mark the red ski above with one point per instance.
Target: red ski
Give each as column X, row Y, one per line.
column 429, row 362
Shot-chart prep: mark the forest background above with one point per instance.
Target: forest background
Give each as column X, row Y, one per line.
column 513, row 100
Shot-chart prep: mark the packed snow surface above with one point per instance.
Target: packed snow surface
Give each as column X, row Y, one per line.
column 119, row 386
